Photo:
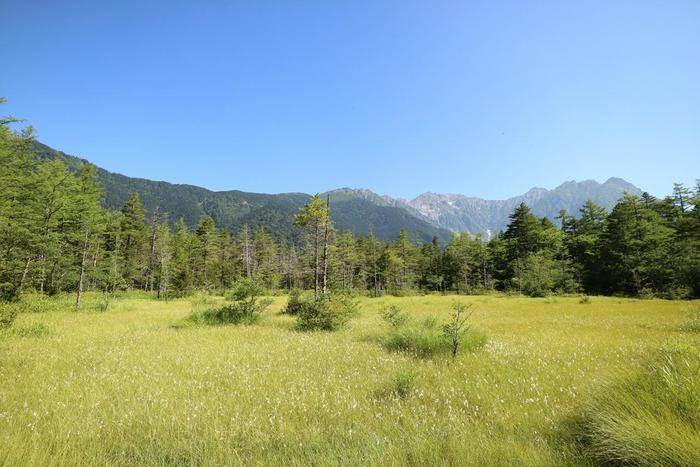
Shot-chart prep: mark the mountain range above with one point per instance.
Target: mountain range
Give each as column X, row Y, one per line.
column 359, row 210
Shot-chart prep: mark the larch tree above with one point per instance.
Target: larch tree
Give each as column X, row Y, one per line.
column 88, row 222
column 314, row 219
column 133, row 241
column 205, row 250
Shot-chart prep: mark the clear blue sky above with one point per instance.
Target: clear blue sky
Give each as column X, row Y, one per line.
column 482, row 98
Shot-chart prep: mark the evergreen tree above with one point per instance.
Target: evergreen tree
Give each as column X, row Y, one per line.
column 205, row 247
column 345, row 263
column 314, row 219
column 181, row 253
column 133, row 237
column 582, row 241
column 407, row 255
column 86, row 223
column 371, row 271
column 19, row 209
column 265, row 260
column 431, row 266
column 224, row 263
column 635, row 249
column 163, row 260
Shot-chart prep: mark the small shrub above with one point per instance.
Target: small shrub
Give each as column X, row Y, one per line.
column 8, row 313
column 650, row 417
column 585, row 300
column 295, row 303
column 420, row 340
column 456, row 329
column 401, row 385
column 393, row 315
column 244, row 290
column 427, row 338
column 328, row 312
column 246, row 309
column 103, row 304
column 233, row 313
column 8, row 292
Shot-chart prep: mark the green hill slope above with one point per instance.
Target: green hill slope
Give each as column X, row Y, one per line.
column 351, row 209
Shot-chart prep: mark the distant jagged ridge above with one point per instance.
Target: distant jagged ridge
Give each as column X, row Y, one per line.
column 459, row 213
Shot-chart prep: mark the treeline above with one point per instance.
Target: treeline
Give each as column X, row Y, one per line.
column 56, row 237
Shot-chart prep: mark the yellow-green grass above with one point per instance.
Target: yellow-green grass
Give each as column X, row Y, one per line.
column 126, row 387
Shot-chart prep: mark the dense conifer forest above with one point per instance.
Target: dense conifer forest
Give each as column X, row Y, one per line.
column 56, row 237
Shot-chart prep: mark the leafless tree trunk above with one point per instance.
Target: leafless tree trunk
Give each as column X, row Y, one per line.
column 316, row 258
column 325, row 246
column 246, row 252
column 152, row 257
column 82, row 272
column 374, row 268
column 94, row 265
column 24, row 275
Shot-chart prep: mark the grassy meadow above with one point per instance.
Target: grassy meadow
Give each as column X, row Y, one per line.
column 124, row 383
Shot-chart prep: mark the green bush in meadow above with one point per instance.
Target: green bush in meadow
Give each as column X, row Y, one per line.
column 428, row 339
column 246, row 308
column 401, row 385
column 295, row 302
column 328, row 312
column 393, row 315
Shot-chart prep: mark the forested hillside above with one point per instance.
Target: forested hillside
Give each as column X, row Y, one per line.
column 55, row 235
column 428, row 215
column 232, row 209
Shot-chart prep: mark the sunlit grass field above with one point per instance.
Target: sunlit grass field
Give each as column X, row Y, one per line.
column 128, row 386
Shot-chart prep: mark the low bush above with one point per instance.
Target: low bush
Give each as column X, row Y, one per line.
column 328, row 312
column 104, row 303
column 585, row 300
column 232, row 313
column 8, row 292
column 649, row 418
column 393, row 315
column 246, row 308
column 428, row 338
column 295, row 303
column 245, row 289
column 401, row 385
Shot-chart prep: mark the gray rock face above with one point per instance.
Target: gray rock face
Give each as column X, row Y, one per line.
column 463, row 213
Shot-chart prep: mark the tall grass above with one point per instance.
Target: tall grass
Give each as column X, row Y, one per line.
column 8, row 314
column 693, row 323
column 651, row 417
column 125, row 388
column 91, row 301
